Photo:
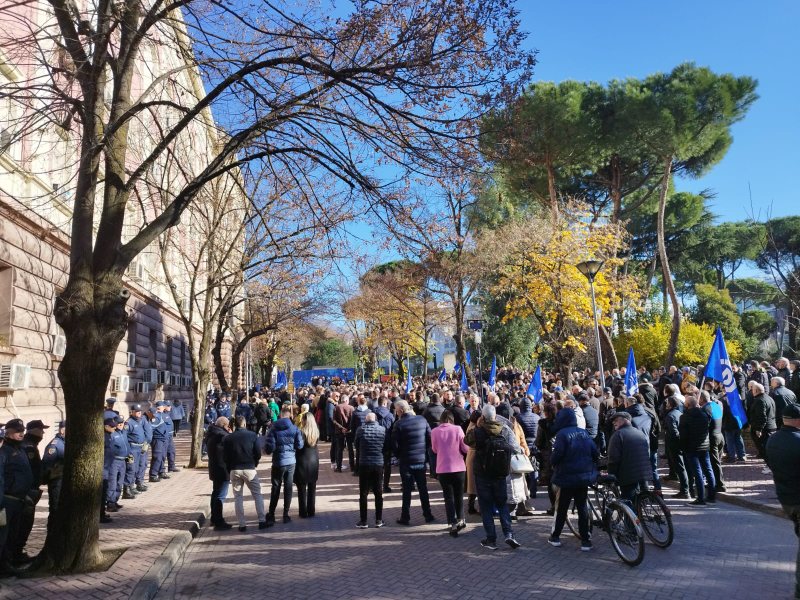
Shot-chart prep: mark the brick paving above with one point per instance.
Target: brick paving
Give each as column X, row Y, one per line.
column 144, row 526
column 724, row 551
column 326, row 557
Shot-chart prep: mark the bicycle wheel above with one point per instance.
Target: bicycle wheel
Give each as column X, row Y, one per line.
column 572, row 518
column 656, row 518
column 625, row 532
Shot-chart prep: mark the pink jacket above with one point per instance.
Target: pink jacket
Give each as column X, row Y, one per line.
column 447, row 441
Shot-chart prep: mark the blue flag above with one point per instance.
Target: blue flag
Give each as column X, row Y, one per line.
column 464, row 385
column 443, row 375
column 535, row 388
column 631, row 376
column 493, row 374
column 469, row 359
column 718, row 367
column 409, row 383
column 457, row 368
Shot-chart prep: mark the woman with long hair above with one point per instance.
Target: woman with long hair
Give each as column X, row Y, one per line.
column 307, row 468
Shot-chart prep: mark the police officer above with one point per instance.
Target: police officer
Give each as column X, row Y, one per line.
column 134, row 431
column 141, row 469
column 53, row 466
column 30, row 445
column 17, row 483
column 109, row 412
column 120, row 457
column 159, row 445
column 224, row 407
column 169, row 464
column 110, row 426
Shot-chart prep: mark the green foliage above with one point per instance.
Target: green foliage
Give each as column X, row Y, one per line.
column 750, row 292
column 513, row 341
column 651, row 341
column 758, row 324
column 716, row 307
column 329, row 352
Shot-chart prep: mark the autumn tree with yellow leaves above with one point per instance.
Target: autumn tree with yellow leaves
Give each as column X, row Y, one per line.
column 538, row 276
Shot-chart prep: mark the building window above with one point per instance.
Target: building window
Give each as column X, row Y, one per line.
column 6, row 302
column 153, row 348
column 169, row 354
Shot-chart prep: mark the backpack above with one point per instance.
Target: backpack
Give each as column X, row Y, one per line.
column 496, row 458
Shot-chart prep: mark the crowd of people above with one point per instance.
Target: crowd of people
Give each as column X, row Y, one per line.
column 491, row 450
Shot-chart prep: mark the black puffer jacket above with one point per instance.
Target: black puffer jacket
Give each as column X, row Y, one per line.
column 629, row 456
column 370, row 443
column 761, row 413
column 529, row 421
column 217, row 471
column 411, row 436
column 693, row 427
column 433, row 413
column 783, row 456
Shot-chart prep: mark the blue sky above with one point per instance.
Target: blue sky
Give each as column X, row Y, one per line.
column 602, row 40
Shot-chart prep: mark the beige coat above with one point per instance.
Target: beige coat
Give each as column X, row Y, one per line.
column 470, row 462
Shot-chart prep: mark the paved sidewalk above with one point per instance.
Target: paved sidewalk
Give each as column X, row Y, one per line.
column 746, row 484
column 145, row 526
column 722, row 551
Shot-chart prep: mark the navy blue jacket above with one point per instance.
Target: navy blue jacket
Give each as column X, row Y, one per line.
column 134, row 429
column 672, row 435
column 693, row 427
column 159, row 426
column 53, row 460
column 529, row 421
column 17, row 474
column 371, row 442
column 411, row 436
column 211, row 415
column 575, row 454
column 357, row 420
column 385, row 418
column 148, row 430
column 283, row 439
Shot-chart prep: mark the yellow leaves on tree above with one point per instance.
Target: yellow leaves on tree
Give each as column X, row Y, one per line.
column 694, row 344
column 539, row 279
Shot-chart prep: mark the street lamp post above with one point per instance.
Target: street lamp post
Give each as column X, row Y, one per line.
column 590, row 268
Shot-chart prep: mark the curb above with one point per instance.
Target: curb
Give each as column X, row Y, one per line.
column 738, row 501
column 148, row 586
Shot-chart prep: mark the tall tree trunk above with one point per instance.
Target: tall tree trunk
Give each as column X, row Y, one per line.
column 607, row 346
column 216, row 352
column 669, row 284
column 93, row 317
column 461, row 347
column 269, row 362
column 201, row 373
column 615, row 189
column 551, row 192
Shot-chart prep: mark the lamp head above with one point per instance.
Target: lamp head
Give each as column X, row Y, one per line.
column 590, row 268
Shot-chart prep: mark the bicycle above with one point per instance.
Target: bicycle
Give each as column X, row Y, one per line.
column 615, row 517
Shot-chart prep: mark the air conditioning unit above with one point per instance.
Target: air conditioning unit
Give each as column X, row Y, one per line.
column 136, row 271
column 186, row 305
column 14, row 376
column 163, row 377
column 59, row 345
column 142, row 387
column 121, row 383
column 131, row 360
column 150, row 376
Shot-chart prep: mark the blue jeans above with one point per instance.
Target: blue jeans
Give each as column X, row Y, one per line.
column 734, row 443
column 654, row 466
column 699, row 464
column 410, row 475
column 492, row 493
column 218, row 494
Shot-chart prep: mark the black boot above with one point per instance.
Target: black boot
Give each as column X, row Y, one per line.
column 471, row 504
column 128, row 493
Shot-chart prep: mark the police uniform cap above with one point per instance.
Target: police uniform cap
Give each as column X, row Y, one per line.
column 621, row 415
column 111, row 401
column 14, row 425
column 136, row 407
column 111, row 421
column 792, row 411
column 118, row 420
column 62, row 424
column 36, row 424
column 160, row 403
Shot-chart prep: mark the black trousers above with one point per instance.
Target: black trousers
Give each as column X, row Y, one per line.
column 281, row 476
column 565, row 497
column 716, row 444
column 387, row 469
column 306, row 498
column 453, row 492
column 370, row 479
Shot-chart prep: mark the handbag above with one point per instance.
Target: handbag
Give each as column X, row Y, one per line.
column 521, row 464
